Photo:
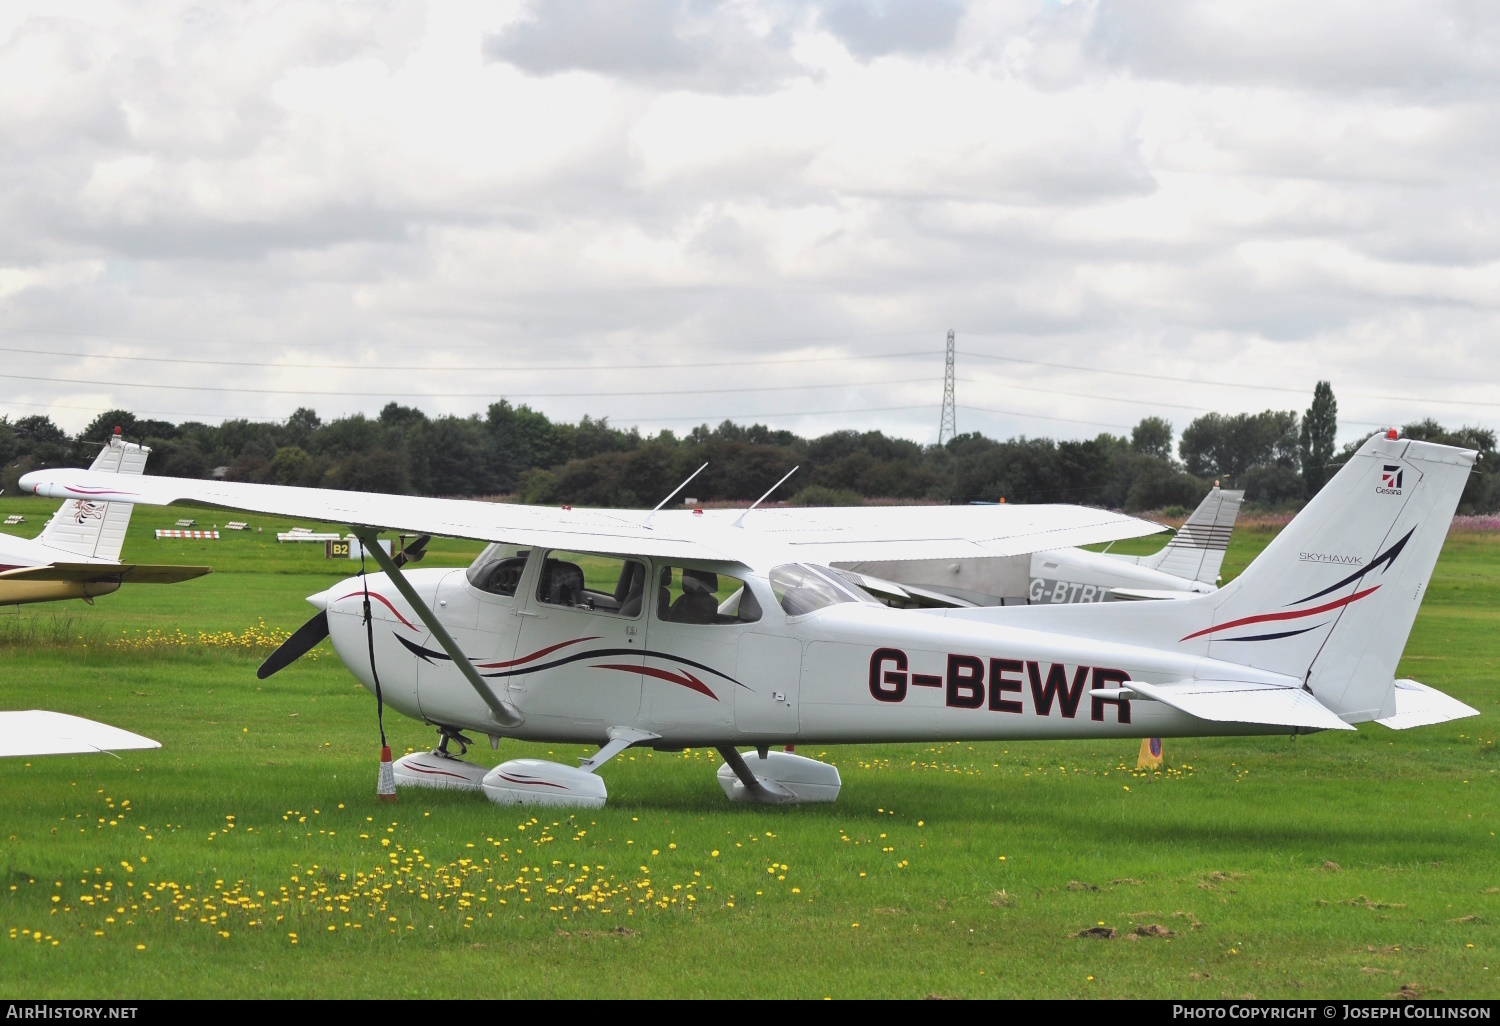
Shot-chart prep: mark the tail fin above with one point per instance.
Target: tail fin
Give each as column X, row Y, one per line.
column 1196, row 552
column 1332, row 599
column 96, row 530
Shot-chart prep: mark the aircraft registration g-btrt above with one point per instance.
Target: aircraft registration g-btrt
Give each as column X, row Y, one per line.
column 737, row 628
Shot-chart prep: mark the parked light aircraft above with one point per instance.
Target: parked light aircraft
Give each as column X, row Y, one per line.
column 1188, row 564
column 77, row 556
column 732, row 628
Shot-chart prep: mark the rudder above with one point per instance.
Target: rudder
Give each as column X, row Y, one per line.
column 1196, row 552
column 96, row 530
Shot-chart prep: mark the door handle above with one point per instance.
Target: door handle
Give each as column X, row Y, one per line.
column 527, row 612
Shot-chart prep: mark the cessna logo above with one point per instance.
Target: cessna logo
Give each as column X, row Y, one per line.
column 1390, row 480
column 964, row 685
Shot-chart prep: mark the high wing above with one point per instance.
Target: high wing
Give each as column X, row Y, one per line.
column 84, row 573
column 39, row 732
column 763, row 539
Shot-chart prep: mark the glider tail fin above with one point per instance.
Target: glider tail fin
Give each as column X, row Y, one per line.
column 96, row 530
column 1332, row 599
column 1196, row 552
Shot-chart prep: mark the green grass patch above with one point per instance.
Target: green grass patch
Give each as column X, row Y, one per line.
column 1350, row 865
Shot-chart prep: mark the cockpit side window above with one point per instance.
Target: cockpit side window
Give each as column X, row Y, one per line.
column 498, row 569
column 602, row 584
column 703, row 597
column 803, row 589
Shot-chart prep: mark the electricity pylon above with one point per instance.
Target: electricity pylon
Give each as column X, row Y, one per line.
column 946, row 427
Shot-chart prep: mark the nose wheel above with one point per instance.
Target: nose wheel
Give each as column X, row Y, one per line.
column 440, row 768
column 447, row 734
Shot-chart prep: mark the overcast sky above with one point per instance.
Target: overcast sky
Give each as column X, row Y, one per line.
column 759, row 210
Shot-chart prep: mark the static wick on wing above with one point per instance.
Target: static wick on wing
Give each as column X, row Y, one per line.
column 739, row 520
column 650, row 516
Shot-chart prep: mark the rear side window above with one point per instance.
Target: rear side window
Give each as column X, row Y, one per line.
column 602, row 584
column 802, row 589
column 702, row 597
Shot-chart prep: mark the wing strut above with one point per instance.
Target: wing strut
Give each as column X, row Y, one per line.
column 505, row 714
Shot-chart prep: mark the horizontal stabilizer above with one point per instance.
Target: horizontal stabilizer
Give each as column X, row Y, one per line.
column 39, row 732
column 1149, row 595
column 903, row 594
column 130, row 573
column 1417, row 705
column 1235, row 701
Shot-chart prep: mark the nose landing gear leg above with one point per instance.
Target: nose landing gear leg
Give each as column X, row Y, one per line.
column 446, row 734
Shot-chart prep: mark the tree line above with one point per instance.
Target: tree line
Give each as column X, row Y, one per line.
column 1279, row 457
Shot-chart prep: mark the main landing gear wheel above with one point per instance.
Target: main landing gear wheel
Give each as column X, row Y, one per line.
column 777, row 778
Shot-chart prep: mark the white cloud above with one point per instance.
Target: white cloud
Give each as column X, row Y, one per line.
column 1261, row 195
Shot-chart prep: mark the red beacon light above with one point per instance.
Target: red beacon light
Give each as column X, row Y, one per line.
column 698, row 512
column 1393, row 434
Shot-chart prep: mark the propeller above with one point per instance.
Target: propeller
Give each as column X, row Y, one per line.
column 295, row 647
column 315, row 630
column 414, row 552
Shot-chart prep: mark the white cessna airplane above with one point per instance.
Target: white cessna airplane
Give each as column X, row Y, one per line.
column 731, row 628
column 77, row 556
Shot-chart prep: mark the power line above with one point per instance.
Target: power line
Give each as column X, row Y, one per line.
column 650, row 418
column 1082, row 395
column 462, row 395
column 882, row 409
column 1230, row 384
column 275, row 365
column 525, row 346
column 1320, row 372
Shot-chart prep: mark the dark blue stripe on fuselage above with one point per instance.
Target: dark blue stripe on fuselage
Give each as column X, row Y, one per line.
column 428, row 655
column 1274, row 637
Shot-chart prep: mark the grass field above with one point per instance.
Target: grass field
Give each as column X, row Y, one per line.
column 248, row 856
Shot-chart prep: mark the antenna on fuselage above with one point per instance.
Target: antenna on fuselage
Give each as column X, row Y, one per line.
column 739, row 519
column 673, row 494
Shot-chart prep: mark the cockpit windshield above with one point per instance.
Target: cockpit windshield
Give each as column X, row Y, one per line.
column 498, row 569
column 804, row 589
